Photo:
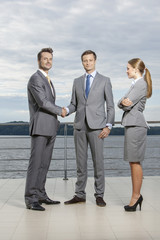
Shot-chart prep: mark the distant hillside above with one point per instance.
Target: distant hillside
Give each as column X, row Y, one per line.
column 22, row 128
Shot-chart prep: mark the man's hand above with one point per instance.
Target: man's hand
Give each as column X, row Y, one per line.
column 105, row 132
column 64, row 112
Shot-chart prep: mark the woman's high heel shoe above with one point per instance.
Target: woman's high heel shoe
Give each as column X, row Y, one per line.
column 133, row 208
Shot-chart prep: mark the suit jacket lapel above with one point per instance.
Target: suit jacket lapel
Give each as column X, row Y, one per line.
column 83, row 85
column 54, row 92
column 47, row 83
column 132, row 86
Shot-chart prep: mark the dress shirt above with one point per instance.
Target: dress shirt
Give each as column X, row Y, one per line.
column 135, row 80
column 92, row 76
column 45, row 74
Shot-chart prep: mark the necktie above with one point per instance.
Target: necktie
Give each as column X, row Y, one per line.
column 50, row 83
column 49, row 80
column 88, row 85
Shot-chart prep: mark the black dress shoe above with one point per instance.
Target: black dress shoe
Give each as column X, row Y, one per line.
column 35, row 206
column 100, row 202
column 48, row 201
column 75, row 199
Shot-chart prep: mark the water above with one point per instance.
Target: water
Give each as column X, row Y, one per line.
column 14, row 162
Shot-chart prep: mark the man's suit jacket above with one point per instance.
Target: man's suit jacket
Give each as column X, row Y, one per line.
column 133, row 115
column 92, row 108
column 42, row 108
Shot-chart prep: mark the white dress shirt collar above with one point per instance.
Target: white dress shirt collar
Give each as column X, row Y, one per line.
column 43, row 72
column 135, row 80
column 93, row 74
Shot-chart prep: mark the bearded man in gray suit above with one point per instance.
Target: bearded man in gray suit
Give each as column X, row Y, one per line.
column 43, row 128
column 91, row 93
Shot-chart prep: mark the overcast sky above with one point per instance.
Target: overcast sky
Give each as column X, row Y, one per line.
column 117, row 30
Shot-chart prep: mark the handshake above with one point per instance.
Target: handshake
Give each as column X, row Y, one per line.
column 64, row 112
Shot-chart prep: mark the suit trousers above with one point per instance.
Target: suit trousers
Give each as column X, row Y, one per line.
column 41, row 154
column 83, row 138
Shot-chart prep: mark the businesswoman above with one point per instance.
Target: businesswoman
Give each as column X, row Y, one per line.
column 133, row 105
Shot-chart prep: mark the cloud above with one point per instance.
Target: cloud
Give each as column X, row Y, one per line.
column 116, row 30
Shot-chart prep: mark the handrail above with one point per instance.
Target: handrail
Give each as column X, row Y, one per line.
column 68, row 123
column 66, row 148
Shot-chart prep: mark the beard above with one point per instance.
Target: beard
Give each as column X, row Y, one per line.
column 44, row 68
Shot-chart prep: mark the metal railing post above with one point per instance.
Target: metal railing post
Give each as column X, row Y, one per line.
column 65, row 152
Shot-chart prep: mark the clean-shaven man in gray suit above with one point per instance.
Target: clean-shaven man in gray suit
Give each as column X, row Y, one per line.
column 92, row 124
column 43, row 128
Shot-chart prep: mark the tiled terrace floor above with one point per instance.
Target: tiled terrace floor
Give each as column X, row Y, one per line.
column 81, row 221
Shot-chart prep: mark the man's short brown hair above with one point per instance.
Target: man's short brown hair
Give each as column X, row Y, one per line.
column 87, row 52
column 49, row 50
